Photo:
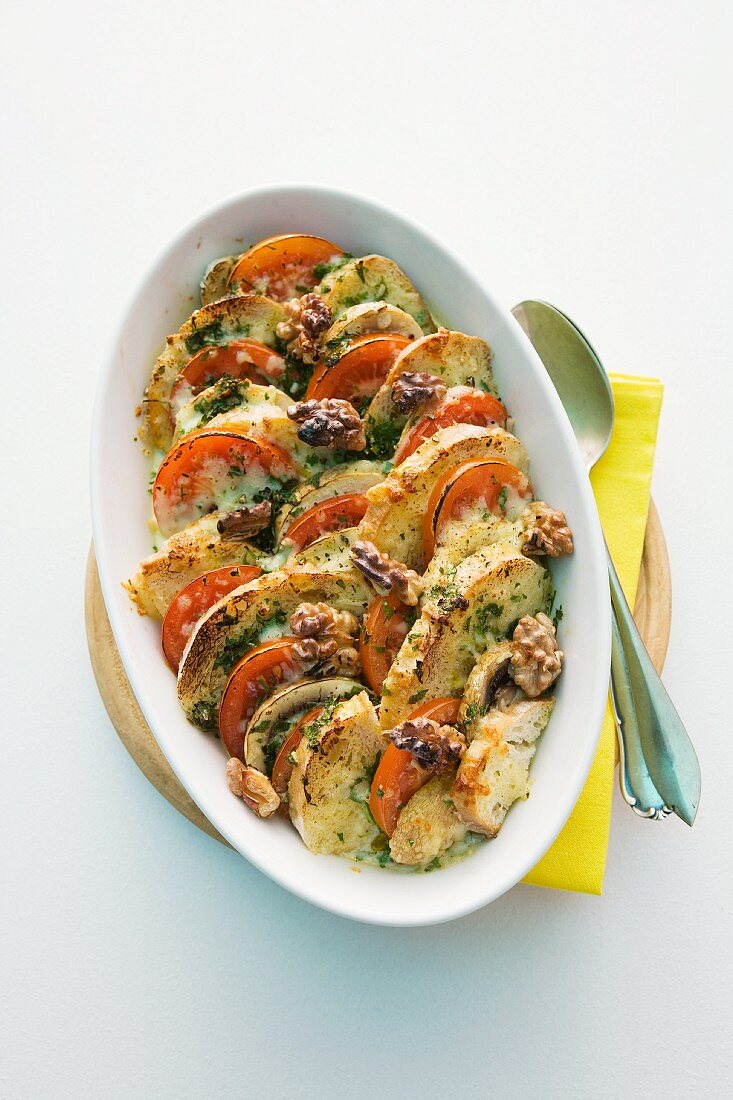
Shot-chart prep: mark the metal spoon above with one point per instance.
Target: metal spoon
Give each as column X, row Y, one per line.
column 659, row 771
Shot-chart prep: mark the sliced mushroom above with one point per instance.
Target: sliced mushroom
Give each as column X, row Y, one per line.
column 285, row 706
column 491, row 676
column 351, row 477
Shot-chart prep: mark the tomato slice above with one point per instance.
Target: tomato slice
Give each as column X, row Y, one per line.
column 282, row 769
column 193, row 600
column 240, row 359
column 474, row 407
column 204, row 466
column 491, row 482
column 254, row 678
column 398, row 776
column 328, row 515
column 284, row 266
column 385, row 628
column 443, row 710
column 360, row 371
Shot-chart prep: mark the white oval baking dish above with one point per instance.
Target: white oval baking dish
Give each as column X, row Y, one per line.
column 120, row 504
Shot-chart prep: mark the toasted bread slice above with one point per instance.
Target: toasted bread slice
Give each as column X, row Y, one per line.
column 182, row 558
column 229, row 629
column 329, row 787
column 215, row 283
column 494, row 771
column 248, row 315
column 374, row 279
column 394, row 518
column 458, row 359
column 428, row 825
column 469, row 609
column 370, row 317
column 236, row 400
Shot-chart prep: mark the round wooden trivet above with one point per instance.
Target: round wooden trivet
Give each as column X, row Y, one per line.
column 652, row 611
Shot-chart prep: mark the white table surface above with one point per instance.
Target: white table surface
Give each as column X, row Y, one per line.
column 575, row 151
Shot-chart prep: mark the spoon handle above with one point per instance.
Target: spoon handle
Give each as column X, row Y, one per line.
column 665, row 746
column 637, row 788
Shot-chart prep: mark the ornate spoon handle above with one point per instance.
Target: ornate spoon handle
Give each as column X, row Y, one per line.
column 636, row 786
column 663, row 740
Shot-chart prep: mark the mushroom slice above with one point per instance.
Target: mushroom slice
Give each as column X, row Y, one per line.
column 428, row 825
column 374, row 279
column 490, row 678
column 368, row 317
column 494, row 771
column 351, row 477
column 272, row 721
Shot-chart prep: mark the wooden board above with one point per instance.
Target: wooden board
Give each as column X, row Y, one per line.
column 652, row 611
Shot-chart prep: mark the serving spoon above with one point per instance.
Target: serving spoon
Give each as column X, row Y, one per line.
column 659, row 771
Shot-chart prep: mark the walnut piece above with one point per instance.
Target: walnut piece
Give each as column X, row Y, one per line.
column 536, row 659
column 386, row 574
column 307, row 320
column 326, row 639
column 434, row 747
column 329, row 422
column 245, row 521
column 252, row 786
column 414, row 389
column 546, row 532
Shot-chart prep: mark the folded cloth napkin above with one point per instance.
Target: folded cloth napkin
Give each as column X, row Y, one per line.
column 621, row 484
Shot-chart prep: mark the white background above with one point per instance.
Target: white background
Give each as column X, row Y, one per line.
column 574, row 151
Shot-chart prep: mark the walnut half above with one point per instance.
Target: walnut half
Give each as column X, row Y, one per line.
column 414, row 389
column 329, row 422
column 245, row 522
column 307, row 320
column 326, row 639
column 434, row 747
column 536, row 659
column 386, row 574
column 546, row 531
column 252, row 786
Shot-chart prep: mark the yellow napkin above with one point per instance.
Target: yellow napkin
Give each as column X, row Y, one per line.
column 621, row 483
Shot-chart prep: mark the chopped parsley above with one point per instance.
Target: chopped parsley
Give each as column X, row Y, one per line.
column 225, row 394
column 205, row 337
column 203, row 714
column 382, row 437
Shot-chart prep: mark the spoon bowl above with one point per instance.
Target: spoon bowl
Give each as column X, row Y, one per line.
column 576, row 372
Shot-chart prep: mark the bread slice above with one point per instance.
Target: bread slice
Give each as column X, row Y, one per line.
column 470, row 609
column 247, row 315
column 329, row 787
column 457, row 359
column 232, row 627
column 182, row 558
column 374, row 279
column 428, row 825
column 394, row 517
column 494, row 772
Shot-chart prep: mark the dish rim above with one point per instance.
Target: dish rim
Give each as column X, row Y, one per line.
column 595, row 549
